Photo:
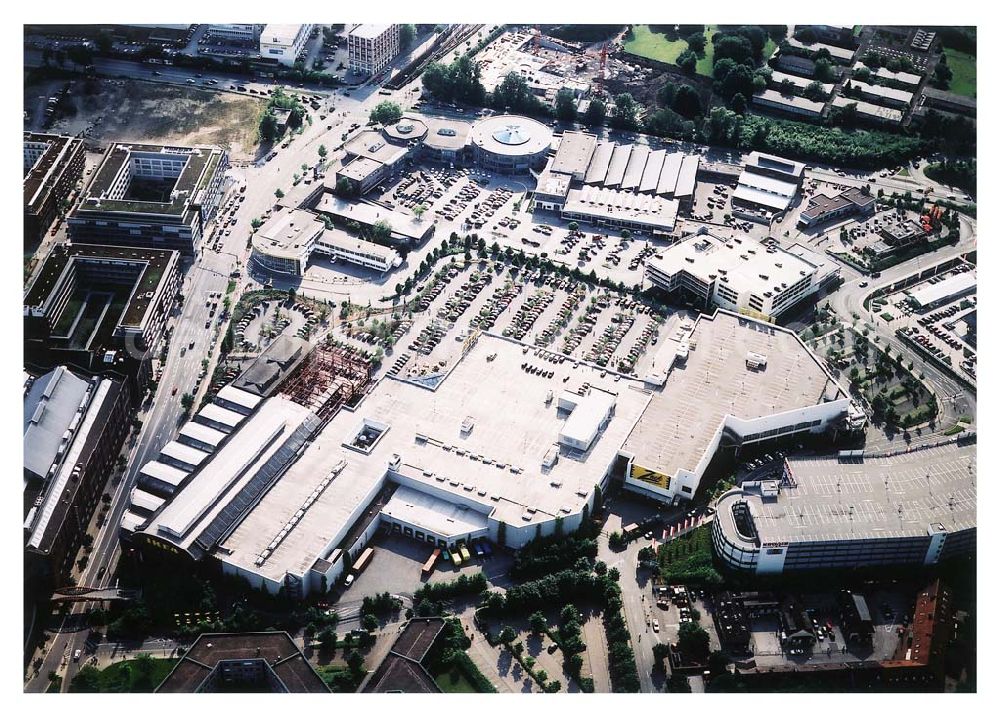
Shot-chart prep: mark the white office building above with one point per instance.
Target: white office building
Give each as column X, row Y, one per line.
column 738, row 274
column 236, row 32
column 284, row 43
column 371, row 48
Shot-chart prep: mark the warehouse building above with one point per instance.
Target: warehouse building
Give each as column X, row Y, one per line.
column 53, row 165
column 927, row 296
column 849, row 203
column 151, row 196
column 915, row 508
column 733, row 382
column 74, row 427
column 738, row 274
column 100, row 309
column 574, row 154
column 768, row 183
column 284, row 43
column 371, row 48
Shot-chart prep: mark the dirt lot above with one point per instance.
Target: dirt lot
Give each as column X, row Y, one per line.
column 132, row 110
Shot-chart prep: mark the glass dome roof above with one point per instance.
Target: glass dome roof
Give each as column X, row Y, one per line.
column 511, row 135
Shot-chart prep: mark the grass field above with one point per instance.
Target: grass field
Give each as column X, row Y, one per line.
column 141, row 675
column 454, row 680
column 963, row 67
column 644, row 42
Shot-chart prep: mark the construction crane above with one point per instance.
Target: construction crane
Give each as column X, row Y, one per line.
column 602, row 57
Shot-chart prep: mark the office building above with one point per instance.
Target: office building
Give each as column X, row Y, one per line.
column 849, row 203
column 284, row 43
column 151, row 196
column 371, row 48
column 100, row 309
column 74, row 427
column 768, row 183
column 53, row 165
column 738, row 274
column 289, row 238
column 245, row 33
column 790, row 104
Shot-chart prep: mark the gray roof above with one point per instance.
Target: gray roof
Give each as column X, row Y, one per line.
column 274, row 363
column 50, row 408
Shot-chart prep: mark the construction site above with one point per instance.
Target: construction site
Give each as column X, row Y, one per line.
column 328, row 378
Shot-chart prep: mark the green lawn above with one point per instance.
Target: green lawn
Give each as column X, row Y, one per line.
column 644, row 42
column 140, row 675
column 454, row 680
column 963, row 67
column 769, row 48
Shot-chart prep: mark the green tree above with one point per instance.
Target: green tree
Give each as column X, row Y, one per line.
column 538, row 622
column 386, row 113
column 279, row 193
column 696, row 42
column 369, row 622
column 565, row 105
column 87, row 680
column 693, row 640
column 406, row 34
column 268, row 128
column 687, row 61
column 687, row 102
column 322, row 152
column 626, row 111
column 507, row 634
column 595, row 113
column 356, row 663
column 187, row 401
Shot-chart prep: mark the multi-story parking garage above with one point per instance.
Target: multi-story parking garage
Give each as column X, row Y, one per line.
column 915, row 508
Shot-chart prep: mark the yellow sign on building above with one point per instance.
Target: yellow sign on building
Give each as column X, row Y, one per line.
column 650, row 477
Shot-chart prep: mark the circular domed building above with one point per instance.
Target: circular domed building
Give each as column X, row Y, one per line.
column 406, row 130
column 510, row 144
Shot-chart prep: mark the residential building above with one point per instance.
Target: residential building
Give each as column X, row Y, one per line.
column 791, row 104
column 53, row 165
column 153, row 196
column 371, row 48
column 949, row 101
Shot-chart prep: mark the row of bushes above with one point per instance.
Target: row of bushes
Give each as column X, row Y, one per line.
column 546, row 555
column 461, row 586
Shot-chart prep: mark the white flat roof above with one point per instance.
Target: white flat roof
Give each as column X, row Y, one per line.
column 163, row 472
column 183, row 453
column 574, row 153
column 907, row 78
column 145, row 501
column 585, row 420
column 370, row 31
column 611, row 204
column 438, row 516
column 868, row 108
column 280, row 34
column 219, row 415
column 768, row 184
column 744, row 263
column 839, row 53
column 775, row 97
column 952, row 286
column 676, row 429
column 801, row 82
column 201, row 433
column 882, row 91
column 756, row 196
column 229, row 468
column 339, row 239
column 239, row 397
column 511, row 429
column 403, row 225
column 131, row 522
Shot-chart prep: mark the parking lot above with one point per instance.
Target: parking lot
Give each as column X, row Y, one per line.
column 397, row 562
column 946, row 331
column 890, row 611
column 559, row 319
